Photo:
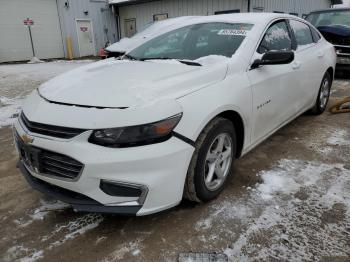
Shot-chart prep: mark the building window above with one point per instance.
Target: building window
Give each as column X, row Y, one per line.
column 258, row 9
column 227, row 12
column 130, row 27
column 160, row 17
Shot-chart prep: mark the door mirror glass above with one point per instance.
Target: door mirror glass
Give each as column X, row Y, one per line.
column 274, row 58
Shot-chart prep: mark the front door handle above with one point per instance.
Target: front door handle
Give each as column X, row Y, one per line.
column 296, row 65
column 320, row 54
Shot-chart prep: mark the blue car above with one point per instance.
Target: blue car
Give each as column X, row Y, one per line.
column 334, row 24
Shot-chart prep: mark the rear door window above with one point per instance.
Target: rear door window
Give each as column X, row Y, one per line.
column 302, row 33
column 315, row 35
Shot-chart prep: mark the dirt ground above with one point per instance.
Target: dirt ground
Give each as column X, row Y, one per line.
column 289, row 200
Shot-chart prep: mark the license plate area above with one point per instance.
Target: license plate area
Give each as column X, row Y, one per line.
column 29, row 155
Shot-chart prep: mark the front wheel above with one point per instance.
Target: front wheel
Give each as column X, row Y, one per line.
column 212, row 162
column 323, row 95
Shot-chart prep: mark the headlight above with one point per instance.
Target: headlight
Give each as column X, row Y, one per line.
column 135, row 135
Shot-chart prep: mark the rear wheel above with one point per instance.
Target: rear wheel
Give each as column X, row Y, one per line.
column 212, row 162
column 323, row 95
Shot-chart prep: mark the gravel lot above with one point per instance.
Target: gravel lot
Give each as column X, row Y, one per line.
column 289, row 200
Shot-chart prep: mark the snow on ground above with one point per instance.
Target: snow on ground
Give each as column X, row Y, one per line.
column 133, row 247
column 18, row 80
column 297, row 201
column 338, row 138
column 59, row 235
column 299, row 194
column 42, row 211
column 9, row 107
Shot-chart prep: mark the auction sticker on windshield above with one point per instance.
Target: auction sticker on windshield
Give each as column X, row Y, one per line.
column 232, row 32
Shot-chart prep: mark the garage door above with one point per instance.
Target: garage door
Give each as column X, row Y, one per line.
column 14, row 37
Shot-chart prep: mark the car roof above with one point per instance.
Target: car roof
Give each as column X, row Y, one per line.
column 252, row 18
column 330, row 10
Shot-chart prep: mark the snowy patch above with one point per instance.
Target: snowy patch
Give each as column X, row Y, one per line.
column 212, row 59
column 339, row 138
column 224, row 211
column 8, row 108
column 28, row 255
column 289, row 176
column 133, row 248
column 42, row 211
column 46, row 207
column 57, row 237
column 304, row 193
column 18, row 80
column 75, row 228
column 42, row 71
column 34, row 257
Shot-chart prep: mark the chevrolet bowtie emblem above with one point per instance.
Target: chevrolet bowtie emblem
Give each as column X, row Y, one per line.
column 27, row 139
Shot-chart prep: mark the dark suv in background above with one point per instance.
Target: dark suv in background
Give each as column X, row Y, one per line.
column 334, row 24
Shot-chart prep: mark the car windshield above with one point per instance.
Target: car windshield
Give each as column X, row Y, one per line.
column 330, row 18
column 194, row 41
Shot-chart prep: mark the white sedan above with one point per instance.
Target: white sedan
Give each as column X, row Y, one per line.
column 136, row 135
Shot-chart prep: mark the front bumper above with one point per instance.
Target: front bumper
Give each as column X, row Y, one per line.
column 342, row 67
column 343, row 60
column 160, row 168
column 78, row 201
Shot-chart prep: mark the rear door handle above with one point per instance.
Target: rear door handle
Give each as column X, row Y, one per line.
column 296, row 65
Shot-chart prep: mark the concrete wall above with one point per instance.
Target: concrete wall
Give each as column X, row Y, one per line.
column 99, row 12
column 143, row 12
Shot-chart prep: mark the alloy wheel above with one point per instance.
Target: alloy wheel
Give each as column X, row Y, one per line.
column 218, row 161
column 324, row 93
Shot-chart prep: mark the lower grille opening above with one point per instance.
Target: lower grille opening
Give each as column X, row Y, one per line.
column 59, row 165
column 120, row 190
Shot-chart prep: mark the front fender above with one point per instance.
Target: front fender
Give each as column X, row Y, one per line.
column 199, row 108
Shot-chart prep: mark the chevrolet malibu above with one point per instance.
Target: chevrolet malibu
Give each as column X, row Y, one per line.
column 137, row 134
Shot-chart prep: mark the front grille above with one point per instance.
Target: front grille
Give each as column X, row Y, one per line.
column 50, row 130
column 343, row 49
column 337, row 40
column 59, row 165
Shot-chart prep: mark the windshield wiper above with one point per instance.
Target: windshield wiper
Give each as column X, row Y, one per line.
column 186, row 62
column 191, row 63
column 131, row 57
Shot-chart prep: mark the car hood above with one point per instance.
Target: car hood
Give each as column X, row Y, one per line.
column 122, row 83
column 336, row 34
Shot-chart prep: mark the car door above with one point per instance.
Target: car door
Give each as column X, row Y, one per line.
column 273, row 86
column 309, row 58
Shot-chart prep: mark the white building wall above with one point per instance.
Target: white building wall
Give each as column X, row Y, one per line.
column 300, row 7
column 15, row 42
column 101, row 16
column 143, row 12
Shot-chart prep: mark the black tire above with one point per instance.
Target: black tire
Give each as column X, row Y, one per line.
column 195, row 187
column 320, row 107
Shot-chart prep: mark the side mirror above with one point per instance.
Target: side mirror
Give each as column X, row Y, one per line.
column 274, row 58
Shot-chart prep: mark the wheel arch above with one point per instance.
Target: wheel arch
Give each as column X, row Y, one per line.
column 238, row 124
column 331, row 71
